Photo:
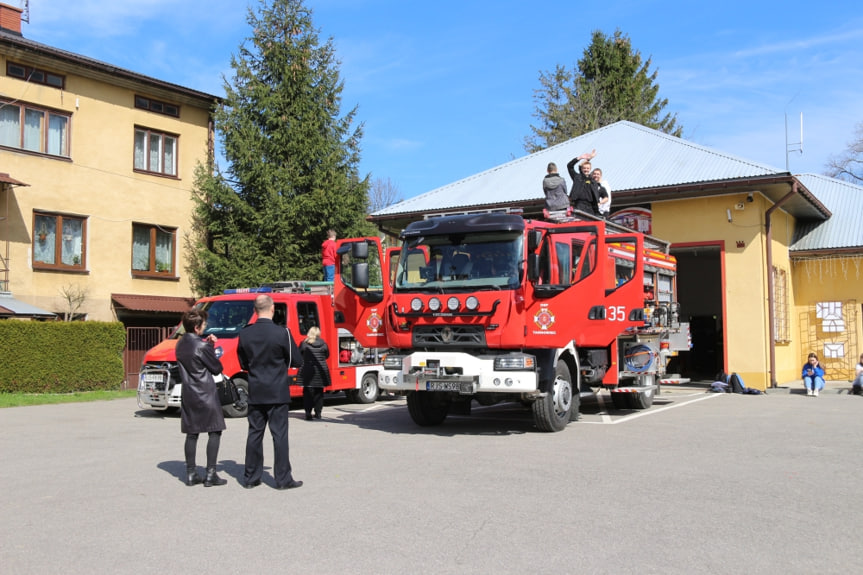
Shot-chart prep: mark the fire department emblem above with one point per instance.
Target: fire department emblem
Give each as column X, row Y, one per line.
column 374, row 322
column 544, row 318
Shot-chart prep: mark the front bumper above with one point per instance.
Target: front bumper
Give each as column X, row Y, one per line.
column 457, row 372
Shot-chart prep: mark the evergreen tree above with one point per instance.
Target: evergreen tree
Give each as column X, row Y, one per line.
column 292, row 170
column 610, row 83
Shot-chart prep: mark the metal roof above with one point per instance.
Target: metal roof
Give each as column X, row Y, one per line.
column 11, row 307
column 631, row 156
column 842, row 230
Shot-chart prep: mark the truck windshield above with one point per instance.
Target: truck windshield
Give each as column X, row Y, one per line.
column 227, row 318
column 463, row 261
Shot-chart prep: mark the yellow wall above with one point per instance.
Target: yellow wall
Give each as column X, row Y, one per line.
column 99, row 183
column 833, row 279
column 745, row 323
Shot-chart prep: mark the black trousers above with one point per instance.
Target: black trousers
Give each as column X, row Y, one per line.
column 313, row 398
column 276, row 415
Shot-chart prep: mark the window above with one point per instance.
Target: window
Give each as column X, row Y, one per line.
column 37, row 130
column 307, row 316
column 59, row 241
column 155, row 152
column 153, row 250
column 782, row 331
column 156, row 106
column 35, row 75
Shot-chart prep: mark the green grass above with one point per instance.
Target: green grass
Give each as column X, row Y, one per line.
column 19, row 399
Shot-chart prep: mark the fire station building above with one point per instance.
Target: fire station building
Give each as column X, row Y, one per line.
column 769, row 262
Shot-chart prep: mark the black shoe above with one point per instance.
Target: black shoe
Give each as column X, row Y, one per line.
column 292, row 484
column 317, row 416
column 192, row 477
column 252, row 485
column 212, row 479
column 308, row 417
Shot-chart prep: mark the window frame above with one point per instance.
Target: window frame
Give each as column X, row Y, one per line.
column 156, row 106
column 149, row 132
column 35, row 75
column 59, row 240
column 44, row 129
column 153, row 262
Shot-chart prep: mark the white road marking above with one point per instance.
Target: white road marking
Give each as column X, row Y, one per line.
column 650, row 411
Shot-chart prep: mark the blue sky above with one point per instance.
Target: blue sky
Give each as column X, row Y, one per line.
column 445, row 88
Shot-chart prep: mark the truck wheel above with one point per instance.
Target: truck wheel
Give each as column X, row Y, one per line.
column 427, row 408
column 622, row 401
column 553, row 412
column 642, row 399
column 368, row 391
column 243, row 389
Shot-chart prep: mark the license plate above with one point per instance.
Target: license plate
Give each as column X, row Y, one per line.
column 443, row 386
column 153, row 378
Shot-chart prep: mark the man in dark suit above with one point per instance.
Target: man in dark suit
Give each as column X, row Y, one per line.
column 266, row 350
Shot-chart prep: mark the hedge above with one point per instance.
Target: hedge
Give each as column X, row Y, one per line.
column 61, row 357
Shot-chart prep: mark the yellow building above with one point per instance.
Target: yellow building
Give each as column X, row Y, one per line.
column 769, row 262
column 96, row 169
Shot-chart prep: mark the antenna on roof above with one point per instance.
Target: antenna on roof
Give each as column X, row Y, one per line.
column 795, row 146
column 25, row 11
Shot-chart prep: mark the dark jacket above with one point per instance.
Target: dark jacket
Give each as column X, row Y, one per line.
column 200, row 410
column 585, row 193
column 266, row 350
column 555, row 192
column 315, row 372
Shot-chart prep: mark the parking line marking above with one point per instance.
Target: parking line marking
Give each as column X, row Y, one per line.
column 648, row 411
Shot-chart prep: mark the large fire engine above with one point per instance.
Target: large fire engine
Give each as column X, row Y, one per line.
column 493, row 307
column 298, row 306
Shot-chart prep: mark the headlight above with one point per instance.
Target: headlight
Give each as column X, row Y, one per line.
column 472, row 303
column 514, row 362
column 434, row 304
column 393, row 362
column 452, row 303
column 416, row 304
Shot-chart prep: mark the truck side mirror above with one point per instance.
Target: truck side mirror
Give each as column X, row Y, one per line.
column 534, row 238
column 360, row 250
column 532, row 267
column 360, row 274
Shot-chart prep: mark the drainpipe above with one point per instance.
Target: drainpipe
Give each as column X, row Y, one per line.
column 770, row 312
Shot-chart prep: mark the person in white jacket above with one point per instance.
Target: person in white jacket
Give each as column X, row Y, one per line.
column 604, row 203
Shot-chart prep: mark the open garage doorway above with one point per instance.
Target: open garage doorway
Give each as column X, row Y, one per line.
column 700, row 293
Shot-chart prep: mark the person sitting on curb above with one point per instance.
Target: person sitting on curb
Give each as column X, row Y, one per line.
column 813, row 375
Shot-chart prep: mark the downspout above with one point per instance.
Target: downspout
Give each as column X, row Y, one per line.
column 771, row 314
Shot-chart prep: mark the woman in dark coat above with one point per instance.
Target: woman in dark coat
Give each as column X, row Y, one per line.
column 200, row 409
column 315, row 374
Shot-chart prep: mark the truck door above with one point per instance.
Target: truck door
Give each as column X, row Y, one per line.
column 361, row 289
column 624, row 293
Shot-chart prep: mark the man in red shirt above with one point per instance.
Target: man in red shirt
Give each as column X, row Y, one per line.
column 328, row 256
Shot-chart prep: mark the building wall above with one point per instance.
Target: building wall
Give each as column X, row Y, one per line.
column 100, row 183
column 829, row 279
column 745, row 321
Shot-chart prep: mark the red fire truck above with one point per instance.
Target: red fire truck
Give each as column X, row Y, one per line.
column 493, row 307
column 298, row 306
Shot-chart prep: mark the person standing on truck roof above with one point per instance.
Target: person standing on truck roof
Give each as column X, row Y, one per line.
column 200, row 410
column 266, row 351
column 554, row 188
column 604, row 203
column 315, row 374
column 585, row 194
column 328, row 256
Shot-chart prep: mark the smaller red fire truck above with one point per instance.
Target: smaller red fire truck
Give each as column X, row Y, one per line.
column 298, row 306
column 492, row 307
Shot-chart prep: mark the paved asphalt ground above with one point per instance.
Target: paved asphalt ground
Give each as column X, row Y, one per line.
column 699, row 483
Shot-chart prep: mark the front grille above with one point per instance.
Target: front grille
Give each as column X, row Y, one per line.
column 173, row 370
column 446, row 336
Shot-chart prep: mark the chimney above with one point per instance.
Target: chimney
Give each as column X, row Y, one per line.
column 10, row 19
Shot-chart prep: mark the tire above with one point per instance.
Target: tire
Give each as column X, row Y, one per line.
column 243, row 389
column 368, row 391
column 554, row 411
column 427, row 408
column 621, row 401
column 642, row 399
